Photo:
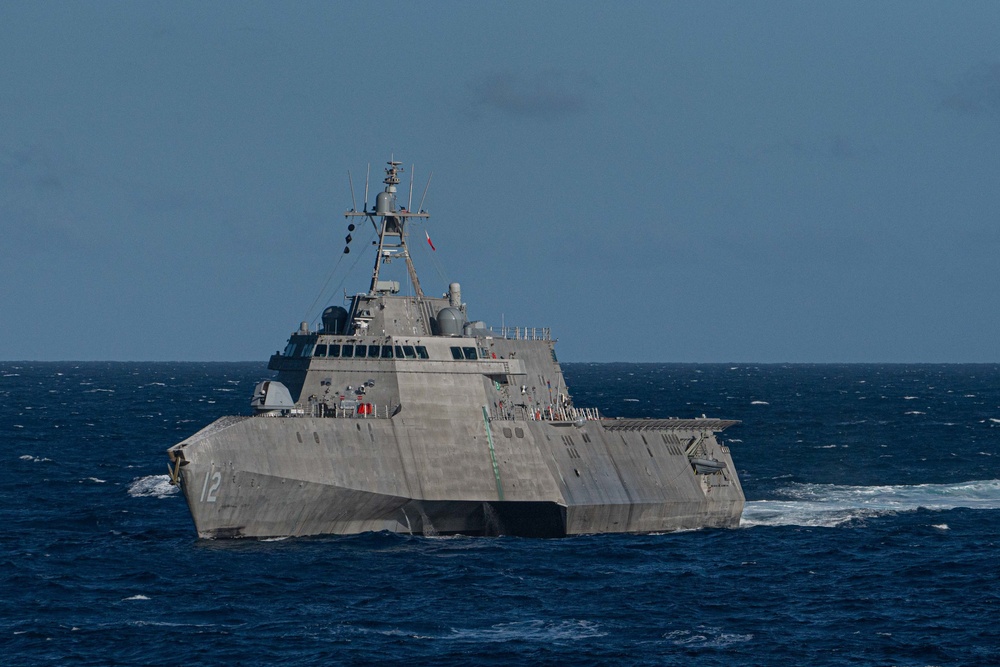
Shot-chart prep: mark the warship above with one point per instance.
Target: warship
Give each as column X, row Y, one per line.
column 399, row 413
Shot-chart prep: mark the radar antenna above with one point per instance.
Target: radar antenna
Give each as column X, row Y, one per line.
column 391, row 226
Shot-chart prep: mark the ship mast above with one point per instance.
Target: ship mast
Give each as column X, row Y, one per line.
column 391, row 228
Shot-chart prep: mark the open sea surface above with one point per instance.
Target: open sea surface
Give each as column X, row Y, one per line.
column 870, row 535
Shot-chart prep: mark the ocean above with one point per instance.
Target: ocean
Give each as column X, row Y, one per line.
column 870, row 535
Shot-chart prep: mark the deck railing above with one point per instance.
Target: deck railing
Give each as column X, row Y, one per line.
column 523, row 333
column 547, row 414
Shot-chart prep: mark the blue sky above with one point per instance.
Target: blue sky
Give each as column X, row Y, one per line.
column 655, row 181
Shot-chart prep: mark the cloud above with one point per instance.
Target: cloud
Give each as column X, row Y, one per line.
column 547, row 95
column 977, row 91
column 29, row 167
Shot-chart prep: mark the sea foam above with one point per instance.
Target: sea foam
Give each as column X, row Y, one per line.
column 834, row 504
column 155, row 486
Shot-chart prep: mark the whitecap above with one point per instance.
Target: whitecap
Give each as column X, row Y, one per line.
column 995, row 421
column 155, row 486
column 631, row 400
column 533, row 630
column 704, row 636
column 909, row 398
column 941, row 526
column 96, row 481
column 914, row 412
column 136, row 597
column 759, row 403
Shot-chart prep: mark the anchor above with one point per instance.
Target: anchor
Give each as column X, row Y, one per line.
column 175, row 471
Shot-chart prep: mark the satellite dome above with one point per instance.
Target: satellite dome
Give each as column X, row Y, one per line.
column 450, row 322
column 334, row 319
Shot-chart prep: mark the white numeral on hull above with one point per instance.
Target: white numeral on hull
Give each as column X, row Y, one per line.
column 208, row 494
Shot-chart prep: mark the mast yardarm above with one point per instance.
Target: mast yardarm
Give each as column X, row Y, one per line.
column 389, row 220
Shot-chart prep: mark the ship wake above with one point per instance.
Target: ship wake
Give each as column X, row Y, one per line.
column 833, row 504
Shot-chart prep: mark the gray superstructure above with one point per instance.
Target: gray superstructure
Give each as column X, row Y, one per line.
column 400, row 414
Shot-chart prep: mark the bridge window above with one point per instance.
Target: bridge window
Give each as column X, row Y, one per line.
column 308, row 350
column 422, row 352
column 334, row 351
column 320, row 351
column 289, row 349
column 359, row 351
column 387, row 351
column 407, row 352
column 399, row 352
column 470, row 352
column 373, row 351
column 347, row 351
column 456, row 353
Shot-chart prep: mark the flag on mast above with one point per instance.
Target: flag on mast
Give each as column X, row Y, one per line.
column 429, row 240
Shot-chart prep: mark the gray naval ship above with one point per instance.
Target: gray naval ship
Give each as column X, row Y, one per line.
column 399, row 413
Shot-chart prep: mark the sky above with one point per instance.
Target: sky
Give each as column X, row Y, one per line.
column 763, row 182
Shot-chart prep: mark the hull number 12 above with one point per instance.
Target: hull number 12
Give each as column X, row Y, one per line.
column 208, row 493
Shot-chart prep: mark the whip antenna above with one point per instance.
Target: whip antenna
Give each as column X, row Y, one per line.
column 367, row 174
column 421, row 207
column 409, row 200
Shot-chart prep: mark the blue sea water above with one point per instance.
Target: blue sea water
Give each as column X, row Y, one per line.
column 870, row 536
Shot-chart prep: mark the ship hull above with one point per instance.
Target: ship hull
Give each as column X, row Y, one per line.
column 273, row 477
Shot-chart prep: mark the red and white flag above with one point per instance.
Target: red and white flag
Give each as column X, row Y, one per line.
column 429, row 240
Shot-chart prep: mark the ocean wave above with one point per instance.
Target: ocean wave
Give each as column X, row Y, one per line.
column 705, row 636
column 152, row 486
column 532, row 630
column 832, row 504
